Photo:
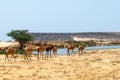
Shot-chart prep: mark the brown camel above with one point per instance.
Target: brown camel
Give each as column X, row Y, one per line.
column 80, row 49
column 70, row 47
column 10, row 51
column 55, row 51
column 28, row 52
column 41, row 50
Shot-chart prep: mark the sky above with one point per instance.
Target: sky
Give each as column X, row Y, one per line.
column 59, row 16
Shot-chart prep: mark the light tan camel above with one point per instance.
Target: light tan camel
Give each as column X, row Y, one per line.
column 28, row 52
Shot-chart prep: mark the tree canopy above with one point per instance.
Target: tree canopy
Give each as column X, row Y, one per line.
column 22, row 36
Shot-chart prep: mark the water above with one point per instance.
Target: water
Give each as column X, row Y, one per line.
column 64, row 51
column 102, row 47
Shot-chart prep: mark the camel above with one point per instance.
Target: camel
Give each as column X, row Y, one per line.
column 28, row 52
column 40, row 50
column 10, row 51
column 55, row 51
column 80, row 49
column 48, row 50
column 70, row 47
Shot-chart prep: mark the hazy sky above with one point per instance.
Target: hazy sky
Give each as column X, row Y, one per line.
column 59, row 16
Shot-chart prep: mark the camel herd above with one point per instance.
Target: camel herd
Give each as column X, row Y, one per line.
column 43, row 51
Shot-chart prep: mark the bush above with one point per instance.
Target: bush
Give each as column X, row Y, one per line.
column 2, row 53
column 19, row 51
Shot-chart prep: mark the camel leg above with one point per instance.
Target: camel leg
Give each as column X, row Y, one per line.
column 26, row 56
column 47, row 54
column 30, row 56
column 55, row 54
column 38, row 56
column 6, row 57
column 68, row 53
column 50, row 54
column 81, row 52
column 42, row 55
column 78, row 52
column 73, row 52
column 13, row 57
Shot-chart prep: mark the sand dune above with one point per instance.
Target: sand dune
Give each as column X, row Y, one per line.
column 92, row 65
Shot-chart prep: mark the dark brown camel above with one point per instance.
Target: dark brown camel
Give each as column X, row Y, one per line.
column 48, row 50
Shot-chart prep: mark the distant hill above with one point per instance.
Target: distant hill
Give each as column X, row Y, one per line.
column 68, row 36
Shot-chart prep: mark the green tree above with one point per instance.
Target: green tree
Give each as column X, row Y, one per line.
column 22, row 36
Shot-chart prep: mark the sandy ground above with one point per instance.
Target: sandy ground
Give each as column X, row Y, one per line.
column 7, row 44
column 92, row 65
column 75, row 38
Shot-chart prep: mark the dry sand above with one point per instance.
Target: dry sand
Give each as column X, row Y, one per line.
column 92, row 65
column 7, row 44
column 75, row 38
